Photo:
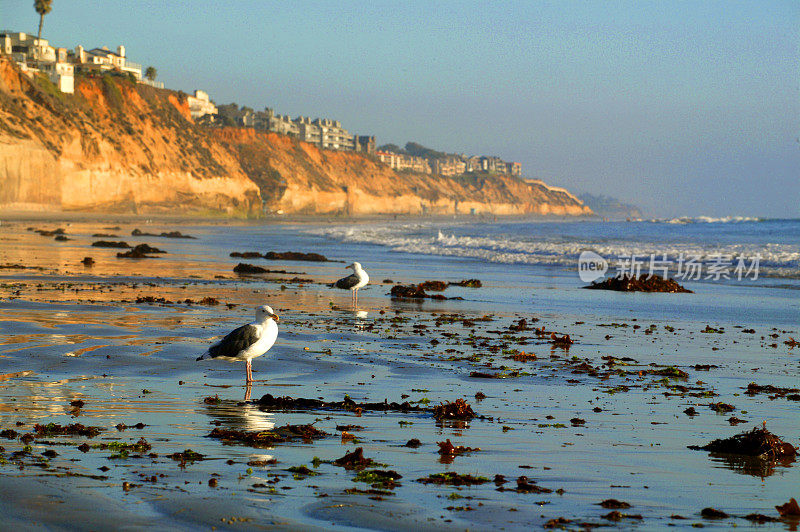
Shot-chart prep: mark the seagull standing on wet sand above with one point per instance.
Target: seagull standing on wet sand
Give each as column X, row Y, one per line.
column 248, row 341
column 353, row 282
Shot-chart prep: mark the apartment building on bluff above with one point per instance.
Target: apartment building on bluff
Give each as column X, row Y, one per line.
column 323, row 132
column 448, row 165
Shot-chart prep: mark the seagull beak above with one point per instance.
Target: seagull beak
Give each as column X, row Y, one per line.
column 275, row 317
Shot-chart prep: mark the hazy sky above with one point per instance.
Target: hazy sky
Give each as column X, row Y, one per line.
column 684, row 108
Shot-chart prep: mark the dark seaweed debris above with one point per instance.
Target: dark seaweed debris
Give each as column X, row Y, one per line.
column 791, row 508
column 758, row 442
column 433, row 286
column 187, row 456
column 792, row 394
column 55, row 232
column 452, row 478
column 379, row 478
column 713, row 513
column 525, row 485
column 722, row 408
column 354, row 460
column 413, row 291
column 288, row 403
column 243, row 267
column 458, row 409
column 267, row 438
column 110, row 244
column 75, row 429
column 469, row 283
column 557, row 522
column 171, row 234
column 295, row 255
column 614, row 504
column 140, row 252
column 644, row 283
column 446, row 448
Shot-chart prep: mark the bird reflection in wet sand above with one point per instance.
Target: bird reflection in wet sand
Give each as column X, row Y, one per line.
column 247, row 342
column 239, row 415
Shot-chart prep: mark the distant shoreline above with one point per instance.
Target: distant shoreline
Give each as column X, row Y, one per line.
column 184, row 219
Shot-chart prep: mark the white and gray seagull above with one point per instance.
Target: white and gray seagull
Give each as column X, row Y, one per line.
column 358, row 279
column 248, row 341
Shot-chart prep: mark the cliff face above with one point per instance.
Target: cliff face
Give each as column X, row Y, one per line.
column 298, row 177
column 115, row 146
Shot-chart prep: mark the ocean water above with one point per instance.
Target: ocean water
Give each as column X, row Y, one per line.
column 72, row 333
column 776, row 243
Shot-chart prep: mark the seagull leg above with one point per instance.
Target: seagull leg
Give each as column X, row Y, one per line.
column 249, row 370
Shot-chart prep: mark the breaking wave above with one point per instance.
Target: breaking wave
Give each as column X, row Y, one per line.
column 555, row 249
column 708, row 220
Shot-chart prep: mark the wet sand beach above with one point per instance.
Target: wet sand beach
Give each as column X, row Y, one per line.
column 559, row 429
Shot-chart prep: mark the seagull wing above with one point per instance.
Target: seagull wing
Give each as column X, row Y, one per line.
column 348, row 282
column 235, row 342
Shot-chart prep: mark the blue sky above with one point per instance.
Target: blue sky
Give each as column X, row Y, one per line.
column 684, row 108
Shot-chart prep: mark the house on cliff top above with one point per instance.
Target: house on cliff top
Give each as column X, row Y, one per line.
column 37, row 55
column 103, row 59
column 59, row 64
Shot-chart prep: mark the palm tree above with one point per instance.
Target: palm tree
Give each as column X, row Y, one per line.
column 151, row 73
column 42, row 7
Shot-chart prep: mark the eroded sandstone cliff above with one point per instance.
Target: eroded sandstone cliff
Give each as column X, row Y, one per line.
column 118, row 146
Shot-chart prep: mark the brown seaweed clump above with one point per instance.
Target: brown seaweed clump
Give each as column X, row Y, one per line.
column 245, row 268
column 267, row 438
column 643, row 283
column 75, row 429
column 411, row 291
column 354, row 460
column 446, row 448
column 433, row 286
column 140, row 252
column 416, row 291
column 758, row 442
column 268, row 402
column 792, row 394
column 791, row 508
column 110, row 244
column 171, row 234
column 295, row 255
column 458, row 409
column 451, row 478
column 563, row 341
column 469, row 283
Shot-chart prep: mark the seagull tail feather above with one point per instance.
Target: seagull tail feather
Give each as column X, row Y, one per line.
column 204, row 356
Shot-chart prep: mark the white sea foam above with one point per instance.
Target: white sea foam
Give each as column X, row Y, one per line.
column 706, row 219
column 780, row 260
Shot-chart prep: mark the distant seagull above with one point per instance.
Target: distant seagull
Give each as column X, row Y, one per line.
column 353, row 282
column 248, row 341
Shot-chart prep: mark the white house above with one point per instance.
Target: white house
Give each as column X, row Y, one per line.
column 36, row 55
column 200, row 105
column 105, row 59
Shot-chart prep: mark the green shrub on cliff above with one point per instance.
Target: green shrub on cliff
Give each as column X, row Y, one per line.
column 112, row 93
